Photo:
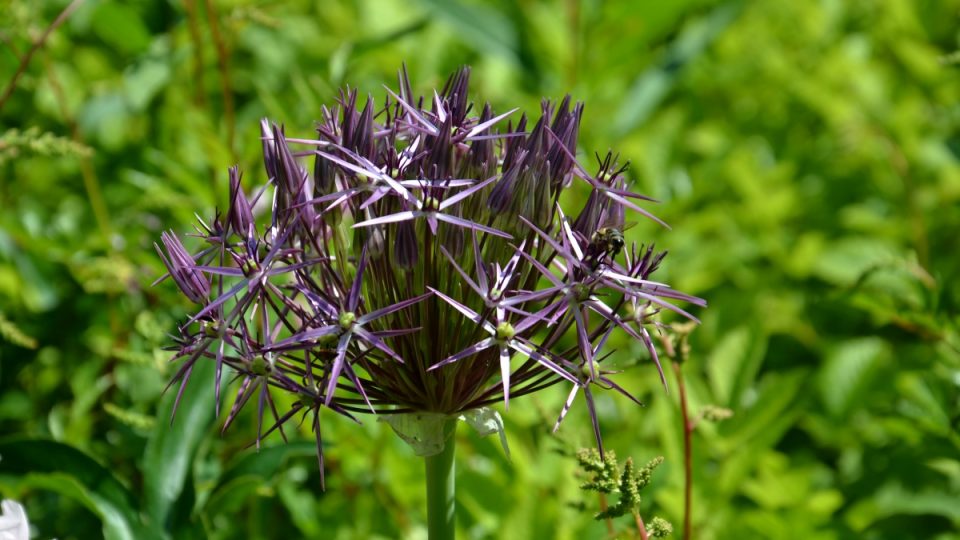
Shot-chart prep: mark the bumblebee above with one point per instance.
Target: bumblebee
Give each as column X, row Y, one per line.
column 609, row 240
column 606, row 241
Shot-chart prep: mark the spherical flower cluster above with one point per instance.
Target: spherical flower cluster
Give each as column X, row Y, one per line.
column 423, row 264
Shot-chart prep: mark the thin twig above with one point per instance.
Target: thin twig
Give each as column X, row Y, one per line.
column 90, row 182
column 687, row 451
column 915, row 213
column 573, row 23
column 193, row 24
column 223, row 63
column 25, row 60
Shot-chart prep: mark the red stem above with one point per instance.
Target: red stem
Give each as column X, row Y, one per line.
column 687, row 451
column 640, row 527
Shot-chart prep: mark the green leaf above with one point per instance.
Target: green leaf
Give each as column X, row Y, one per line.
column 848, row 259
column 894, row 499
column 302, row 505
column 926, row 400
column 848, row 371
column 754, row 430
column 655, row 83
column 57, row 467
column 248, row 475
column 170, row 448
column 233, row 495
column 121, row 27
column 775, row 396
column 106, row 119
column 484, row 28
column 143, row 82
column 734, row 364
column 265, row 463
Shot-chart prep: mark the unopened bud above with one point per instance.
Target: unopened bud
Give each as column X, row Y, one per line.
column 503, row 190
column 182, row 268
column 260, row 366
column 240, row 214
column 405, row 250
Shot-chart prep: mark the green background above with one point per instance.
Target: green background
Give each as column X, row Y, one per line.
column 805, row 153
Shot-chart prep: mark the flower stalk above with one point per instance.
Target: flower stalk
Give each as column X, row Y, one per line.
column 440, row 472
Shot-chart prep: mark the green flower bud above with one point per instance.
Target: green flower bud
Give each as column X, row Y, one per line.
column 505, row 331
column 347, row 319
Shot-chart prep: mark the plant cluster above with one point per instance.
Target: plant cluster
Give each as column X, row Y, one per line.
column 606, row 478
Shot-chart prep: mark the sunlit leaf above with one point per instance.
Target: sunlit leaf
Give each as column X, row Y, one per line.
column 171, row 447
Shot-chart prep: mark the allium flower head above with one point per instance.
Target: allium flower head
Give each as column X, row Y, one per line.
column 416, row 260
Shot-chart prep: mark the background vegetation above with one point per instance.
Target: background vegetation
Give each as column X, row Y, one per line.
column 806, row 154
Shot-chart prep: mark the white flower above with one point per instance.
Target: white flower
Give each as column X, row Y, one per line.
column 13, row 522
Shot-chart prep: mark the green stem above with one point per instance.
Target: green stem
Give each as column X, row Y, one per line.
column 441, row 504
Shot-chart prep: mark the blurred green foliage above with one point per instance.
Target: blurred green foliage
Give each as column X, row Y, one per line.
column 806, row 154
